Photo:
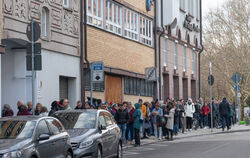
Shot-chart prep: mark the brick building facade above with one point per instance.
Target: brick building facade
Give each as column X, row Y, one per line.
column 120, row 33
column 180, row 47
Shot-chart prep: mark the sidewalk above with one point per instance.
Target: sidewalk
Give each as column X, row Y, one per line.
column 193, row 133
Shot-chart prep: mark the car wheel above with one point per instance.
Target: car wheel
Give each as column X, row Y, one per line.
column 119, row 151
column 69, row 155
column 99, row 152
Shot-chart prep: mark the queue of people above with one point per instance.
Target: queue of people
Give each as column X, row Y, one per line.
column 162, row 120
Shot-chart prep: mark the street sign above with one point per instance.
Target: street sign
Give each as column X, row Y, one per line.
column 37, row 31
column 150, row 74
column 239, row 95
column 98, row 73
column 149, row 4
column 236, row 77
column 236, row 87
column 37, row 48
column 210, row 80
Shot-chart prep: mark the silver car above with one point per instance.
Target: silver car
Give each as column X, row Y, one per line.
column 33, row 137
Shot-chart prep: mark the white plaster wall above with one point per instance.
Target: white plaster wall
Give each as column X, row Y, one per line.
column 54, row 66
column 16, row 83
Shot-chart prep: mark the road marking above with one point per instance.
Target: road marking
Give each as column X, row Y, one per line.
column 158, row 145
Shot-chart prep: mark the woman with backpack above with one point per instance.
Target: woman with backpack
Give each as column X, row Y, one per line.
column 170, row 121
column 137, row 124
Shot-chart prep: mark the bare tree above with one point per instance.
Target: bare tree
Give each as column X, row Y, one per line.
column 227, row 46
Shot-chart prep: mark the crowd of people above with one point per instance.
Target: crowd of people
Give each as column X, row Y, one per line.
column 162, row 120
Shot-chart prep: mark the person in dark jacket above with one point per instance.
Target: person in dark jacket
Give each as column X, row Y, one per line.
column 224, row 109
column 38, row 108
column 55, row 106
column 23, row 111
column 181, row 109
column 122, row 118
column 7, row 111
column 130, row 127
column 79, row 105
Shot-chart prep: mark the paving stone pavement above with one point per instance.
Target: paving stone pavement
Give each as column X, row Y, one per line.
column 193, row 133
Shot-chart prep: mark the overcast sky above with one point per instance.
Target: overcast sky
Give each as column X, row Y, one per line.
column 211, row 4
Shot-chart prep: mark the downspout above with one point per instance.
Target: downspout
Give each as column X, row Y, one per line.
column 155, row 44
column 162, row 33
column 202, row 48
column 83, row 70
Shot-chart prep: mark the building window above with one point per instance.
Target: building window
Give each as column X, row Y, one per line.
column 165, row 52
column 185, row 58
column 66, row 3
column 113, row 18
column 192, row 7
column 198, row 9
column 95, row 12
column 45, row 22
column 176, row 54
column 136, row 86
column 146, row 31
column 182, row 4
column 193, row 62
column 189, row 6
column 131, row 24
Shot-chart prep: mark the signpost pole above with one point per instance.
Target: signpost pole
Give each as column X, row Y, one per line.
column 33, row 64
column 91, row 85
column 239, row 111
column 211, row 95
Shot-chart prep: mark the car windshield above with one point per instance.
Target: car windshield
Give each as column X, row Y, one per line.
column 77, row 120
column 14, row 129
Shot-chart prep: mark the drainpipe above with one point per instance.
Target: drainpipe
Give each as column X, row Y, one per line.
column 83, row 57
column 202, row 48
column 155, row 43
column 160, row 69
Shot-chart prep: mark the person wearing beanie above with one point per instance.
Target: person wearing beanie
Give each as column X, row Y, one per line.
column 137, row 124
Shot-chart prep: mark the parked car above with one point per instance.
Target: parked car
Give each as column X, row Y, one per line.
column 33, row 137
column 94, row 133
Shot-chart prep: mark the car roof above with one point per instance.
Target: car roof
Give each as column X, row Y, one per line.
column 22, row 118
column 81, row 111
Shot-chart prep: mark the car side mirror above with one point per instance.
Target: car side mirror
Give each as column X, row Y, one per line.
column 101, row 127
column 43, row 137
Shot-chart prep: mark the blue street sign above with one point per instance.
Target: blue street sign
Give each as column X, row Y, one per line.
column 237, row 88
column 97, row 73
column 149, row 4
column 236, row 77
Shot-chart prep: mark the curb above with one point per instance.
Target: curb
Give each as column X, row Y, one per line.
column 198, row 135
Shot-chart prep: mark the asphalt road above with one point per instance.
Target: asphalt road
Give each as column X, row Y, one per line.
column 226, row 145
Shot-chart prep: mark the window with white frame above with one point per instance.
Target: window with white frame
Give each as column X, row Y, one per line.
column 176, row 54
column 189, row 6
column 95, row 12
column 192, row 8
column 198, row 9
column 146, row 31
column 193, row 62
column 185, row 58
column 66, row 3
column 113, row 17
column 165, row 51
column 182, row 4
column 45, row 22
column 131, row 25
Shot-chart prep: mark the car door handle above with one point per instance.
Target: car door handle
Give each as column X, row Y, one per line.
column 54, row 143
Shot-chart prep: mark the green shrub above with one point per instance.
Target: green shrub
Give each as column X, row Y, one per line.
column 247, row 121
column 242, row 122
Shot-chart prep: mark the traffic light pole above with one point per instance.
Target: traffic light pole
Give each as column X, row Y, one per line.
column 211, row 95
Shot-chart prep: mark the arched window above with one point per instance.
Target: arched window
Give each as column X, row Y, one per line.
column 45, row 22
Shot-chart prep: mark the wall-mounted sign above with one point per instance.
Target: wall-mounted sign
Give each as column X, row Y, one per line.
column 149, row 4
column 188, row 24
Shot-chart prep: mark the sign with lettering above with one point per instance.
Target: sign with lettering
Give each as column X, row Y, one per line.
column 188, row 24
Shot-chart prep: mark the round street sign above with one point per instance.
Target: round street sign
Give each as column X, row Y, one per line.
column 37, row 31
column 210, row 80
